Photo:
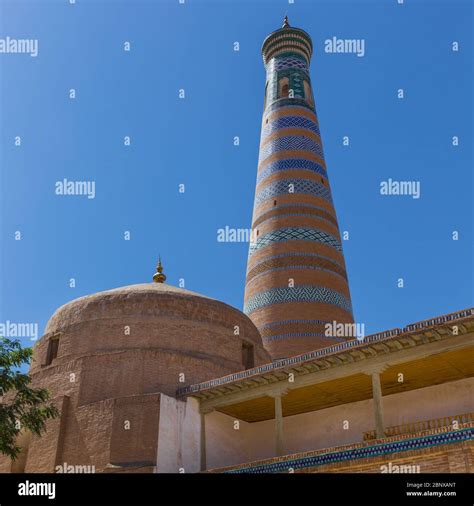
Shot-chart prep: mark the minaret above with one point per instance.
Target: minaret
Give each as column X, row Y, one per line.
column 296, row 275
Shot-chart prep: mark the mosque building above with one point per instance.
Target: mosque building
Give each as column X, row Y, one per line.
column 154, row 378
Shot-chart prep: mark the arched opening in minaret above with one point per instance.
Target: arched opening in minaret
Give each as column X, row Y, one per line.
column 283, row 87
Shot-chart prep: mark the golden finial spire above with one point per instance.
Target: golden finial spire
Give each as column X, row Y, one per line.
column 286, row 24
column 159, row 277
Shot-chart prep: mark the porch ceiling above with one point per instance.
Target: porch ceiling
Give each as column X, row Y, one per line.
column 431, row 370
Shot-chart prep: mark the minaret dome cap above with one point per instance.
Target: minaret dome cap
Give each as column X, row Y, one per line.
column 287, row 39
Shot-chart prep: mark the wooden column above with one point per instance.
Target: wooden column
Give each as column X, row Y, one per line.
column 279, row 450
column 378, row 408
column 203, row 442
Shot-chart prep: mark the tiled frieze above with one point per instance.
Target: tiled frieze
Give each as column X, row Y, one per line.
column 290, row 143
column 283, row 103
column 290, row 164
column 291, row 187
column 291, row 322
column 287, row 62
column 294, row 234
column 290, row 122
column 286, row 294
column 363, row 451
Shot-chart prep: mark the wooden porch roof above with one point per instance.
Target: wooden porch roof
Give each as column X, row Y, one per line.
column 425, row 353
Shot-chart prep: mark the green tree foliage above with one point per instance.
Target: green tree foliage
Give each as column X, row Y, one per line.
column 21, row 407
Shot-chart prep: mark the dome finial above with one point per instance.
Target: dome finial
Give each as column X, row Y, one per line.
column 159, row 277
column 286, row 23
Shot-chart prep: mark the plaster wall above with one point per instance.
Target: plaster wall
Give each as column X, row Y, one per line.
column 179, row 436
column 226, row 443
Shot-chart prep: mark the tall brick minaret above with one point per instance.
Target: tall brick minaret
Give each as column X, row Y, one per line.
column 296, row 275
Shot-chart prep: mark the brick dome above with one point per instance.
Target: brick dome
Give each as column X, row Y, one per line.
column 155, row 332
column 124, row 297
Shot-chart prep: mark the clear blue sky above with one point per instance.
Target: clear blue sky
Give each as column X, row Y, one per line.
column 190, row 142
